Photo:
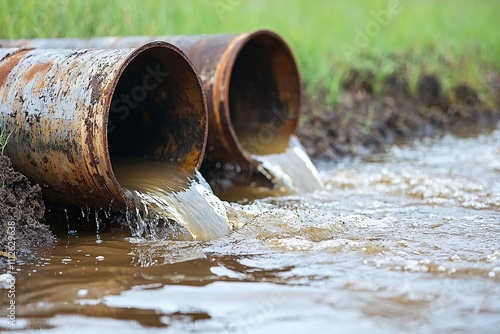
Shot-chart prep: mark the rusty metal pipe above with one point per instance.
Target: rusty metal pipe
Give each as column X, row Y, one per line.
column 251, row 80
column 72, row 112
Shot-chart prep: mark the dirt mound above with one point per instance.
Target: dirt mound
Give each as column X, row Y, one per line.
column 364, row 120
column 21, row 212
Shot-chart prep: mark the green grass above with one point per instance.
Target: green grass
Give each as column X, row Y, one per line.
column 457, row 39
column 4, row 139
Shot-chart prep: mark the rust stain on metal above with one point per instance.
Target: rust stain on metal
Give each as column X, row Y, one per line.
column 69, row 151
column 6, row 65
column 37, row 69
column 95, row 86
column 89, row 139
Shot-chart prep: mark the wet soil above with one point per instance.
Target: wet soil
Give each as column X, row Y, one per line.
column 21, row 214
column 364, row 120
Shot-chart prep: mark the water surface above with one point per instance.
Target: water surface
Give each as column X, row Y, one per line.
column 406, row 240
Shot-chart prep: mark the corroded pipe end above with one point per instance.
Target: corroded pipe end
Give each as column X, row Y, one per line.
column 261, row 93
column 157, row 110
column 73, row 112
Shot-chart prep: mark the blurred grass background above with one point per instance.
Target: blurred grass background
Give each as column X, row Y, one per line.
column 459, row 40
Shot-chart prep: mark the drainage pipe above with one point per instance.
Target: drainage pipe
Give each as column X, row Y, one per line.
column 252, row 83
column 72, row 111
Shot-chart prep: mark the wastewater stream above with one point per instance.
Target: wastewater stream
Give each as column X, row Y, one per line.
column 402, row 240
column 165, row 195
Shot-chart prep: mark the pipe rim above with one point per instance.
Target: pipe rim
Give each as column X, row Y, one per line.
column 242, row 41
column 118, row 189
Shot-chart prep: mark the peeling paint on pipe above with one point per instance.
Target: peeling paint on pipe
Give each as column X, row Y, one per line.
column 251, row 80
column 72, row 111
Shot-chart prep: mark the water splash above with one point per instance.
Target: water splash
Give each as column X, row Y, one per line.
column 98, row 222
column 292, row 170
column 70, row 231
column 163, row 193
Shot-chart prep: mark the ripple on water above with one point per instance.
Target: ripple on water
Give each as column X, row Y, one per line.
column 405, row 242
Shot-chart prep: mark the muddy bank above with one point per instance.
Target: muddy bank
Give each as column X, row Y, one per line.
column 21, row 213
column 364, row 120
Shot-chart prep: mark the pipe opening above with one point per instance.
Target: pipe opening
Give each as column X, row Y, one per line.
column 157, row 111
column 264, row 95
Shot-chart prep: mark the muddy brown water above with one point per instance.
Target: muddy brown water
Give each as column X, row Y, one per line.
column 406, row 240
